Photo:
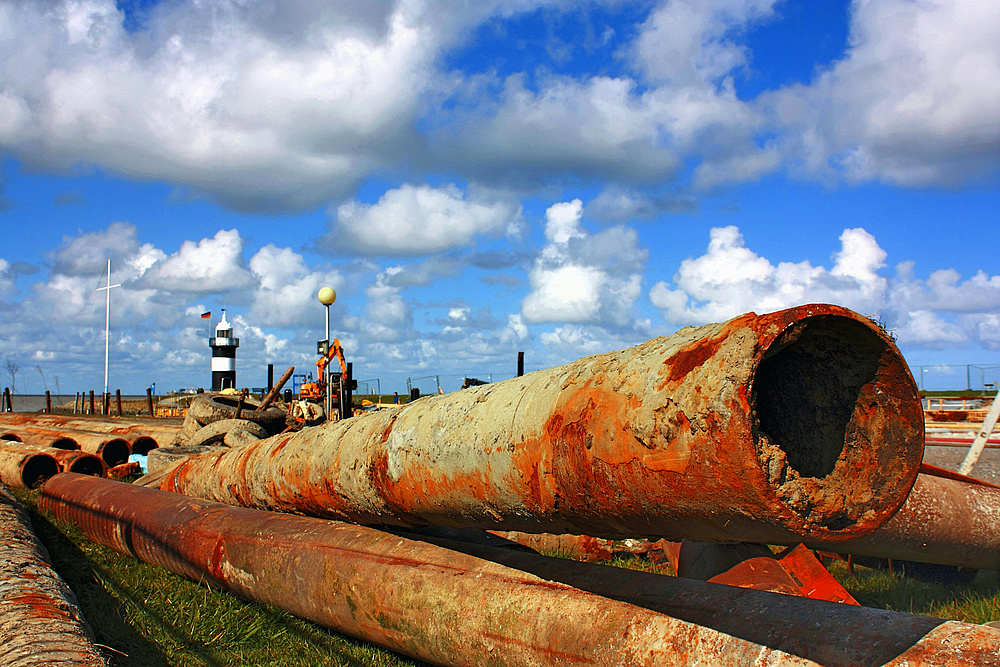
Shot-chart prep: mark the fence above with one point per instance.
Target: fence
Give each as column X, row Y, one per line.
column 977, row 378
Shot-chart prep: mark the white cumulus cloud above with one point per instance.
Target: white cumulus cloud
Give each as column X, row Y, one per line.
column 412, row 220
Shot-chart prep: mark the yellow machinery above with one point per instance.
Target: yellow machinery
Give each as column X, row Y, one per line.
column 316, row 391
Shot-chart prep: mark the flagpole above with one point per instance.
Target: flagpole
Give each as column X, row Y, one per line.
column 107, row 323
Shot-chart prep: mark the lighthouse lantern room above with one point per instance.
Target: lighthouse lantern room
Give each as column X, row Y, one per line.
column 223, row 355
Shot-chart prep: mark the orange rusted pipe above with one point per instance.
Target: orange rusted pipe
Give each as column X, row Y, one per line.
column 151, row 434
column 485, row 606
column 40, row 620
column 947, row 521
column 804, row 422
column 67, row 460
column 20, row 468
column 50, row 439
column 112, row 449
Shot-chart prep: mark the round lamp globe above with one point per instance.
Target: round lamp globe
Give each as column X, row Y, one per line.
column 327, row 296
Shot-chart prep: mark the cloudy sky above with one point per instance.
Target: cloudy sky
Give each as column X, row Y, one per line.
column 481, row 178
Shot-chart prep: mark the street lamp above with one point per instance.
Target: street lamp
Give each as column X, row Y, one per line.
column 327, row 296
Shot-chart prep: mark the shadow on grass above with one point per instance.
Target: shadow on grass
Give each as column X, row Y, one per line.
column 117, row 609
column 103, row 611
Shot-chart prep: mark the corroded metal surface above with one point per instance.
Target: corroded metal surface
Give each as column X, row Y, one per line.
column 112, row 449
column 580, row 547
column 67, row 460
column 40, row 620
column 794, row 571
column 453, row 603
column 948, row 521
column 24, row 469
column 26, row 434
column 804, row 422
column 149, row 433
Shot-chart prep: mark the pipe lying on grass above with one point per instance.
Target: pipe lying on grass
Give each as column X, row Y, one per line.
column 141, row 435
column 473, row 605
column 68, row 460
column 40, row 620
column 804, row 422
column 112, row 449
column 24, row 469
column 48, row 439
column 947, row 520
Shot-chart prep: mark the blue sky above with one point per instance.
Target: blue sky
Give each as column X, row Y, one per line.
column 478, row 179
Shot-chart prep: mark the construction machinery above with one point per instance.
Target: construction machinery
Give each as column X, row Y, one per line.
column 338, row 382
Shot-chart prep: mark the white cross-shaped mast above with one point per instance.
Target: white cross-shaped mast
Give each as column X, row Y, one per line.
column 107, row 322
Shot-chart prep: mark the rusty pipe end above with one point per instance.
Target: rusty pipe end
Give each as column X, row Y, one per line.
column 64, row 442
column 37, row 469
column 114, row 451
column 144, row 444
column 87, row 465
column 837, row 421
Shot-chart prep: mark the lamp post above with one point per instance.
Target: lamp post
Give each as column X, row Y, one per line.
column 327, row 296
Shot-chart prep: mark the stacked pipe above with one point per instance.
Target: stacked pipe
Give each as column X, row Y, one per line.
column 803, row 423
column 25, row 468
column 470, row 605
column 141, row 435
column 112, row 449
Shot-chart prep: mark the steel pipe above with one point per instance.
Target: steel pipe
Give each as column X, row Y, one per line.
column 947, row 521
column 49, row 439
column 40, row 619
column 112, row 449
column 24, row 469
column 68, row 460
column 478, row 605
column 804, row 422
column 158, row 431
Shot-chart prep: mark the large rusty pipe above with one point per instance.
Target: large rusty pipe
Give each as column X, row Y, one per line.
column 40, row 619
column 804, row 422
column 112, row 449
column 52, row 439
column 944, row 521
column 68, row 460
column 24, row 469
column 158, row 431
column 479, row 605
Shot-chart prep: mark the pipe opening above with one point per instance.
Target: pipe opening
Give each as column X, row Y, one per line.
column 143, row 445
column 13, row 437
column 115, row 452
column 807, row 390
column 88, row 465
column 68, row 444
column 828, row 397
column 37, row 469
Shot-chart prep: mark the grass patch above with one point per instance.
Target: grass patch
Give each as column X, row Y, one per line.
column 976, row 603
column 147, row 616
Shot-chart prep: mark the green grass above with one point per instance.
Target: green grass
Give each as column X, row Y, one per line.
column 978, row 602
column 147, row 616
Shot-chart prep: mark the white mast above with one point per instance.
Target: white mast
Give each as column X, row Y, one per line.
column 107, row 322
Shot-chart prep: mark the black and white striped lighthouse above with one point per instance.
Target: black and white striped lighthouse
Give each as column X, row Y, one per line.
column 223, row 355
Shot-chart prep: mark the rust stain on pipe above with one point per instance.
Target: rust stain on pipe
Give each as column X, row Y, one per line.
column 162, row 430
column 68, row 460
column 944, row 521
column 804, row 422
column 24, row 469
column 113, row 450
column 40, row 620
column 469, row 605
column 53, row 439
